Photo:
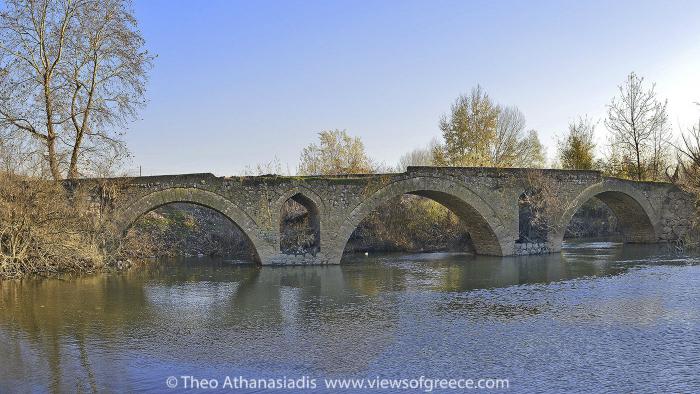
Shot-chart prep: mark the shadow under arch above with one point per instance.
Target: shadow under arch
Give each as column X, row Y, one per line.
column 313, row 205
column 481, row 221
column 635, row 216
column 128, row 216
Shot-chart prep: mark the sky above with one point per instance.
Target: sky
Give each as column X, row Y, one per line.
column 236, row 84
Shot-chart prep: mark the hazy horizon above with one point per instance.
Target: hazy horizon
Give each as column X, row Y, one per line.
column 239, row 83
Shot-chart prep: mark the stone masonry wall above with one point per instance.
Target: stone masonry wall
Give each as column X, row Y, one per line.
column 485, row 198
column 531, row 248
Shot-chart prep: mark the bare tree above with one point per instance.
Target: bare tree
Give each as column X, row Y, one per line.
column 73, row 73
column 637, row 120
column 661, row 153
column 530, row 153
column 543, row 203
column 689, row 157
column 419, row 156
column 509, row 133
column 272, row 167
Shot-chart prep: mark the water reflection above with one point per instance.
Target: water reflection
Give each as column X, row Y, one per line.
column 386, row 314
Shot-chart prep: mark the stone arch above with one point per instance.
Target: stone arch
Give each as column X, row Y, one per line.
column 309, row 200
column 635, row 215
column 488, row 233
column 128, row 216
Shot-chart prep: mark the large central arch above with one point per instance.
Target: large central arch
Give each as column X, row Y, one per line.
column 128, row 216
column 636, row 217
column 483, row 224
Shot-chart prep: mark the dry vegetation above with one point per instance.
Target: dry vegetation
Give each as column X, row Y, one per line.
column 413, row 224
column 46, row 228
column 185, row 229
column 541, row 204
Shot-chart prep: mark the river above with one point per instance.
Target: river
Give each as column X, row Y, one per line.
column 599, row 317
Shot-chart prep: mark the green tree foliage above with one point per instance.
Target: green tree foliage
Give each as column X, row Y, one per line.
column 336, row 153
column 576, row 150
column 470, row 128
column 480, row 133
column 619, row 164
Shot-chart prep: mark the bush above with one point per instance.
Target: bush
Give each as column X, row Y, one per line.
column 46, row 229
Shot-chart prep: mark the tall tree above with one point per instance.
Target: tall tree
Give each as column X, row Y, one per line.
column 576, row 150
column 336, row 153
column 661, row 152
column 637, row 121
column 479, row 132
column 73, row 74
column 469, row 129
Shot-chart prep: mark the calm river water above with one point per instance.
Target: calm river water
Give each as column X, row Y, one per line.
column 597, row 318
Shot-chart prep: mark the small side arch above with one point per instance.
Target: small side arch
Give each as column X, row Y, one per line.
column 636, row 217
column 482, row 222
column 315, row 207
column 305, row 193
column 128, row 216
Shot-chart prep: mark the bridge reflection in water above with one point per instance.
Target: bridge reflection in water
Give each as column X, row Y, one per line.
column 177, row 316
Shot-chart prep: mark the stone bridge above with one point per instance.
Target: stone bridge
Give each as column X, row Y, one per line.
column 485, row 199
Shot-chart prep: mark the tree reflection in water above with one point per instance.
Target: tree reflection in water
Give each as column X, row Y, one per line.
column 140, row 326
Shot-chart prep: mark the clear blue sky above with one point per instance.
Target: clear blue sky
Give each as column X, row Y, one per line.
column 237, row 83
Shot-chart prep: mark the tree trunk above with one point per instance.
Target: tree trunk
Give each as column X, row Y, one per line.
column 639, row 164
column 50, row 133
column 73, row 169
column 53, row 160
